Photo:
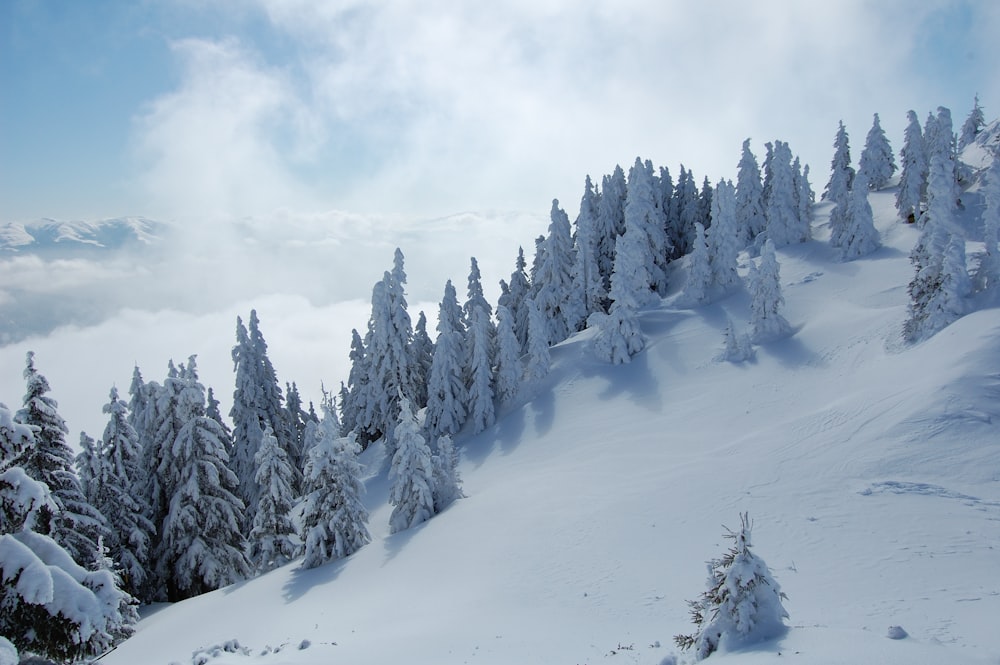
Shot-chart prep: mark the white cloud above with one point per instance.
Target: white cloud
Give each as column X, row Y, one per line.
column 221, row 144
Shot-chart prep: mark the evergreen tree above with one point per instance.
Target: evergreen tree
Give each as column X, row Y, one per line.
column 699, row 279
column 913, row 180
column 554, row 282
column 411, row 475
column 76, row 524
column 742, row 604
column 766, row 300
column 334, row 521
column 619, row 337
column 841, row 171
column 213, row 412
column 201, row 547
column 803, row 199
column 988, row 270
column 246, row 416
column 446, row 393
column 296, row 418
column 88, row 467
column 640, row 214
column 355, row 394
column 663, row 195
column 539, row 359
column 940, row 279
column 519, row 291
column 131, row 532
column 447, row 481
column 750, row 216
column 839, row 187
column 877, row 162
column 479, row 386
column 389, row 349
column 475, row 298
column 724, row 242
column 685, row 211
column 610, row 221
column 422, row 352
column 273, row 541
column 860, row 236
column 52, row 606
column 782, row 212
column 972, row 125
column 737, row 345
column 508, row 369
column 587, row 293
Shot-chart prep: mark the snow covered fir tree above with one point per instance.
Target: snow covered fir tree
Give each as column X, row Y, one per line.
column 742, row 604
column 176, row 500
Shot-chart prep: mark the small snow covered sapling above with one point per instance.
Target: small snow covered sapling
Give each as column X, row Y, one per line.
column 742, row 604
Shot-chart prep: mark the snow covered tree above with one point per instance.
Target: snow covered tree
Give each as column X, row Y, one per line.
column 411, row 475
column 766, row 300
column 257, row 404
column 587, row 294
column 750, row 215
column 724, row 241
column 447, row 481
column 446, row 391
column 940, row 282
column 130, row 531
column 391, row 368
column 618, row 337
column 841, row 171
column 972, row 125
column 804, row 198
column 356, row 392
column 860, row 236
column 684, row 212
column 334, row 521
column 508, row 368
column 202, row 546
column 782, row 212
column 699, row 278
column 422, row 352
column 737, row 346
column 742, row 604
column 51, row 606
column 88, row 466
column 518, row 291
column 296, row 419
column 475, row 299
column 988, row 270
column 554, row 281
column 479, row 383
column 273, row 541
column 610, row 221
column 660, row 246
column 877, row 162
column 913, row 179
column 539, row 358
column 76, row 524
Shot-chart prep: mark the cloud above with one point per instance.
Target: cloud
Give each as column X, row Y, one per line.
column 222, row 143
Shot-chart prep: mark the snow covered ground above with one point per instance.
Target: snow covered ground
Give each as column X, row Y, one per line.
column 871, row 471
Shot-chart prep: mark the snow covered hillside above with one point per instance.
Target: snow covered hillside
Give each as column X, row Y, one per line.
column 871, row 470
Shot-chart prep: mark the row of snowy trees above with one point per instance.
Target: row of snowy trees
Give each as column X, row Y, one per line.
column 929, row 195
column 60, row 592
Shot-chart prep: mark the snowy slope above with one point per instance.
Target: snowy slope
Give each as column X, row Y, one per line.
column 871, row 470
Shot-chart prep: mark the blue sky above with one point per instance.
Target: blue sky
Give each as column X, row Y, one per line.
column 180, row 109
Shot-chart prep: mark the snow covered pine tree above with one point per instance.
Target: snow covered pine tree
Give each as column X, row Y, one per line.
column 742, row 604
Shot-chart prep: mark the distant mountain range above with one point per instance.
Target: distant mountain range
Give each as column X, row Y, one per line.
column 46, row 235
